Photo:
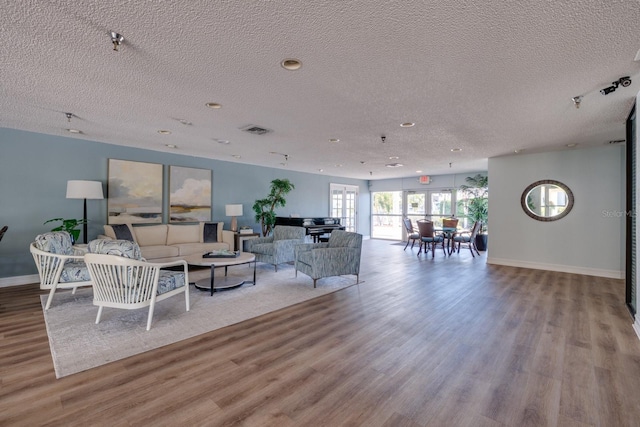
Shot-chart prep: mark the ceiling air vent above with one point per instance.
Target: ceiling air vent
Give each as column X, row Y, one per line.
column 256, row 130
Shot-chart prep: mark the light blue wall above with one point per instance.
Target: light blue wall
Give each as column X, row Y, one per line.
column 589, row 240
column 34, row 170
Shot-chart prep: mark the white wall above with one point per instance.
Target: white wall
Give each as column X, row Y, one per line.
column 589, row 240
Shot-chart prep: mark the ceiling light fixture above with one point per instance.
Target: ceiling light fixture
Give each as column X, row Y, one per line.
column 571, row 145
column 334, row 140
column 116, row 39
column 407, row 125
column 74, row 131
column 291, row 64
column 456, row 150
column 394, row 158
column 577, row 100
column 171, row 145
column 394, row 165
column 223, row 141
column 69, row 115
column 213, row 105
column 164, row 132
column 236, row 156
column 185, row 122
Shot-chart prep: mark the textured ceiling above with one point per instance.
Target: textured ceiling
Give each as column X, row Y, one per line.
column 488, row 77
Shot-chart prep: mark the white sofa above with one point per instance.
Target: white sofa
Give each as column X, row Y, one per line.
column 168, row 242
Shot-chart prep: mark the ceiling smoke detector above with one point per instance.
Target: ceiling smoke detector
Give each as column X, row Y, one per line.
column 256, row 130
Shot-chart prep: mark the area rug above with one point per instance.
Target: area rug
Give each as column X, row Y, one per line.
column 78, row 344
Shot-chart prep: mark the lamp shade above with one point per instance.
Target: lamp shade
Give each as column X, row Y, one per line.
column 77, row 189
column 233, row 210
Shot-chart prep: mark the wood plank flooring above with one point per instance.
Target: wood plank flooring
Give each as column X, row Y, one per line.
column 449, row 341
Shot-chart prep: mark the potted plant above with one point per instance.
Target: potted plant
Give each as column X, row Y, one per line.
column 68, row 225
column 265, row 208
column 476, row 202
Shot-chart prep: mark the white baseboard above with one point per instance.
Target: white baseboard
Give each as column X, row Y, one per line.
column 612, row 274
column 5, row 282
column 636, row 326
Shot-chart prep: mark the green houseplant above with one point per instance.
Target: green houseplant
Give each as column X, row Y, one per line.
column 476, row 204
column 68, row 225
column 265, row 208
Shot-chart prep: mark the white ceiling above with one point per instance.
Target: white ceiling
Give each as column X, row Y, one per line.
column 489, row 77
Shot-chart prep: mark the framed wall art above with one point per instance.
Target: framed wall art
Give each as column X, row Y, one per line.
column 134, row 192
column 189, row 194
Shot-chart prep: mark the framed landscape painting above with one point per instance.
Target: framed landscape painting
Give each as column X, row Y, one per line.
column 134, row 192
column 189, row 194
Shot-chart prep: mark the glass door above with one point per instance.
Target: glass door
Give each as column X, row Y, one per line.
column 344, row 204
column 433, row 205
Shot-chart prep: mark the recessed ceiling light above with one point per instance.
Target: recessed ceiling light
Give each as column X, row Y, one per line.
column 74, row 131
column 291, row 64
column 407, row 124
column 213, row 105
column 185, row 122
column 519, row 150
column 223, row 141
column 573, row 144
column 394, row 158
column 334, row 140
column 394, row 165
column 339, row 165
column 237, row 156
column 164, row 132
column 456, row 150
column 171, row 146
column 320, row 170
column 418, row 171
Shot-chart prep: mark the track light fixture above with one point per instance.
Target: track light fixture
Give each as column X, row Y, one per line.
column 622, row 81
column 116, row 39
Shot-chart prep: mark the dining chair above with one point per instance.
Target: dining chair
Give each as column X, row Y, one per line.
column 448, row 235
column 2, row 231
column 412, row 235
column 428, row 237
column 468, row 238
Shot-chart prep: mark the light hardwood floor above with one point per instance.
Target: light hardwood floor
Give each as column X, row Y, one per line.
column 449, row 341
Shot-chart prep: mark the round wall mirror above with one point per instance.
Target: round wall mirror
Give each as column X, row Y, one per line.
column 547, row 200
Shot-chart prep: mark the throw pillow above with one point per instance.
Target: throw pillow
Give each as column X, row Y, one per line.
column 210, row 232
column 122, row 232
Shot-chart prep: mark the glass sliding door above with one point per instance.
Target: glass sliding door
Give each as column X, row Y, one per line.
column 344, row 204
column 386, row 215
column 433, row 205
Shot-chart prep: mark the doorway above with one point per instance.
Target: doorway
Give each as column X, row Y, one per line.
column 344, row 204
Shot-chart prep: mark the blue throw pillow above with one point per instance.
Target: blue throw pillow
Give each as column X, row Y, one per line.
column 210, row 232
column 122, row 232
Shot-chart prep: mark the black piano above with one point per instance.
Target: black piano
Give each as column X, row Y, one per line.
column 315, row 227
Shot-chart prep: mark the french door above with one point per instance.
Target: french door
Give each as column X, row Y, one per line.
column 344, row 204
column 433, row 205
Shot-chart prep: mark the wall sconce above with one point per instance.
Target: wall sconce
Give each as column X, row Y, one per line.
column 233, row 211
column 84, row 190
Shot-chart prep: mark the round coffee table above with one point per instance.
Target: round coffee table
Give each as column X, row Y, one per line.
column 226, row 282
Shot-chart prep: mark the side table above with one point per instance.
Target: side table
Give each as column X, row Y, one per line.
column 241, row 237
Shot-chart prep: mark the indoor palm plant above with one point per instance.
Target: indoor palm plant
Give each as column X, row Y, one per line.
column 476, row 201
column 265, row 208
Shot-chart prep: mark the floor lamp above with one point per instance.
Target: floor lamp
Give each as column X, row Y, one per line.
column 84, row 190
column 233, row 211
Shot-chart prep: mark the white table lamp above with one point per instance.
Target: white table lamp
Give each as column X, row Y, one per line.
column 233, row 211
column 77, row 189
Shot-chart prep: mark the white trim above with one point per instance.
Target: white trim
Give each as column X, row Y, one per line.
column 5, row 282
column 636, row 326
column 612, row 274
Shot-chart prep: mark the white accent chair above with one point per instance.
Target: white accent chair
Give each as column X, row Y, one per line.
column 123, row 279
column 59, row 265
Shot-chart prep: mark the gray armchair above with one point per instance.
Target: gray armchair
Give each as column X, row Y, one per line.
column 337, row 257
column 277, row 248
